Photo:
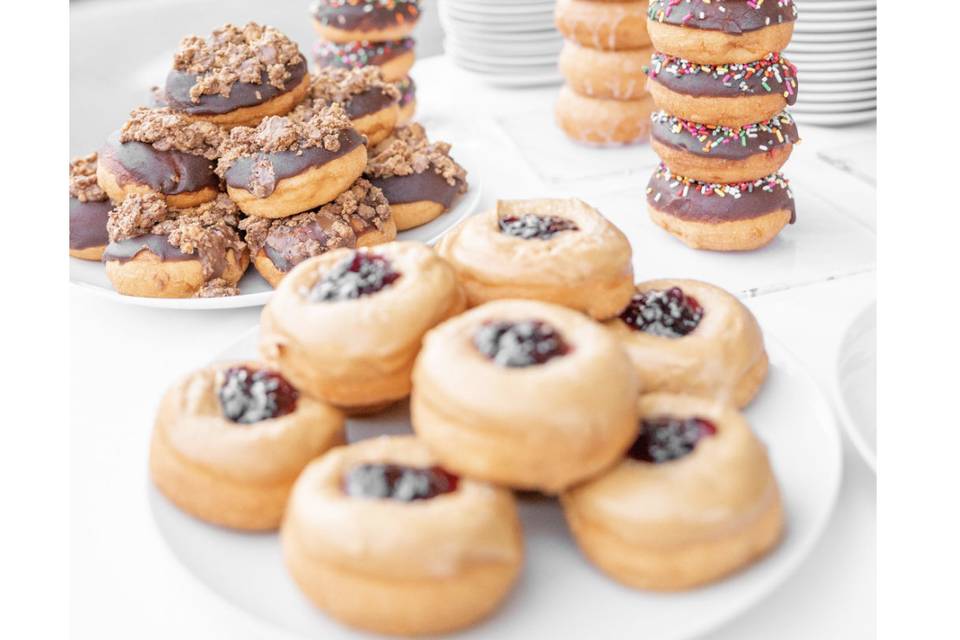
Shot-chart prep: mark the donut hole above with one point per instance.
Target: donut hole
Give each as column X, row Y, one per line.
column 519, row 343
column 398, row 482
column 358, row 274
column 666, row 313
column 529, row 226
column 248, row 395
column 667, row 438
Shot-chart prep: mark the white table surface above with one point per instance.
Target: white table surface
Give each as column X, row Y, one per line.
column 126, row 583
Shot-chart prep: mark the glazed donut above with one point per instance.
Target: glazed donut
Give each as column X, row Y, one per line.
column 230, row 440
column 609, row 26
column 694, row 500
column 286, row 166
column 374, row 20
column 160, row 151
column 620, row 75
column 721, row 32
column 346, row 326
column 418, row 177
column 731, row 95
column 394, row 58
column 237, row 76
column 381, row 538
column 559, row 251
column 721, row 217
column 710, row 153
column 599, row 121
column 156, row 252
column 524, row 394
column 89, row 210
column 686, row 336
column 408, row 100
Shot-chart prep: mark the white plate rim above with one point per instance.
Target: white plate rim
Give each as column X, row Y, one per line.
column 849, row 425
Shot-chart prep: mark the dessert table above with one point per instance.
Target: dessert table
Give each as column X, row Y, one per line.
column 806, row 289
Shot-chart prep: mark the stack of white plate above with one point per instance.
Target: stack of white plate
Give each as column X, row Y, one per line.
column 507, row 42
column 835, row 49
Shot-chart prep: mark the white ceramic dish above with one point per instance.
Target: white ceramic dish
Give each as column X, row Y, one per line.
column 809, row 66
column 560, row 594
column 835, row 87
column 847, row 75
column 832, row 37
column 835, row 107
column 838, row 97
column 831, row 56
column 856, row 384
column 836, row 119
column 831, row 47
column 817, row 6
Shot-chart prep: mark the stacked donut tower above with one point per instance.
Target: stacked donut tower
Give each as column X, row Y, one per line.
column 721, row 131
column 360, row 33
column 604, row 59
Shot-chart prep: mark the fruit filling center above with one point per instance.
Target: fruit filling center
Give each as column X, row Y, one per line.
column 251, row 395
column 666, row 438
column 519, row 344
column 359, row 274
column 398, row 482
column 530, row 226
column 670, row 313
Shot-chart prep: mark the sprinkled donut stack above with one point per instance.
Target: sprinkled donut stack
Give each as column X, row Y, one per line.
column 721, row 131
column 361, row 33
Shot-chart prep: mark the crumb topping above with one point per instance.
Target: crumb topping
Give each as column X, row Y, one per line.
column 83, row 179
column 217, row 288
column 168, row 130
column 409, row 151
column 299, row 237
column 362, row 206
column 136, row 215
column 331, row 84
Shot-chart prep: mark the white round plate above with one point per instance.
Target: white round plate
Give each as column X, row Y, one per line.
column 847, row 75
column 814, row 18
column 831, row 47
column 836, row 87
column 868, row 34
column 834, row 107
column 543, row 15
column 560, row 594
column 826, row 6
column 499, row 59
column 453, row 23
column 838, row 97
column 856, row 384
column 843, row 27
column 505, row 7
column 798, row 57
column 835, row 119
column 520, row 49
column 805, row 66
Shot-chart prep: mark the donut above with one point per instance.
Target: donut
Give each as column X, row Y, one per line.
column 237, row 76
column 157, row 252
column 693, row 501
column 686, row 336
column 346, row 326
column 394, row 58
column 229, row 441
column 359, row 217
column 712, row 153
column 603, row 122
column 89, row 210
column 344, row 21
column 286, row 166
column 730, row 95
column 418, row 177
column 720, row 217
column 608, row 26
column 558, row 251
column 380, row 537
column 408, row 99
column 524, row 394
column 721, row 31
column 160, row 151
column 620, row 75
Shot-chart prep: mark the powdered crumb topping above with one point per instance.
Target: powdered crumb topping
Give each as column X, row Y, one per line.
column 83, row 179
column 409, row 151
column 299, row 237
column 217, row 288
column 363, row 206
column 330, row 85
column 234, row 54
column 168, row 130
column 136, row 216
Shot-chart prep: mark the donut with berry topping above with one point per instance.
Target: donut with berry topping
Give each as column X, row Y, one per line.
column 394, row 58
column 374, row 20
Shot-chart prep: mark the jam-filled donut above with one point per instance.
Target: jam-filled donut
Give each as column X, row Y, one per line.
column 693, row 500
column 408, row 99
column 686, row 336
column 158, row 252
column 394, row 58
column 359, row 217
column 608, row 26
column 559, row 251
column 603, row 121
column 524, row 394
column 346, row 326
column 721, row 31
column 237, row 76
column 418, row 177
column 620, row 75
column 382, row 538
column 712, row 153
column 89, row 210
column 160, row 151
column 375, row 20
column 730, row 95
column 230, row 440
column 286, row 166
column 717, row 216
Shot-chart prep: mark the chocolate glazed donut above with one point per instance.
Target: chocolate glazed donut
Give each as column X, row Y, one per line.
column 342, row 21
column 88, row 228
column 373, row 113
column 417, row 198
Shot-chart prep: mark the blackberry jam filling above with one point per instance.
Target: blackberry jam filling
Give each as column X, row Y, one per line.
column 665, row 439
column 670, row 313
column 529, row 226
column 519, row 344
column 398, row 482
column 359, row 274
column 251, row 395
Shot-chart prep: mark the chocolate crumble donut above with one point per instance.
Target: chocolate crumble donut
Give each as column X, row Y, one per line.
column 375, row 20
column 394, row 58
column 160, row 151
column 89, row 210
column 721, row 31
column 237, row 76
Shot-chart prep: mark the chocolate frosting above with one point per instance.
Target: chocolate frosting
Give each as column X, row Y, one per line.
column 359, row 53
column 416, row 187
column 727, row 143
column 242, row 94
column 88, row 223
column 365, row 15
column 126, row 250
column 408, row 91
column 284, row 244
column 169, row 172
column 702, row 202
column 773, row 74
column 370, row 101
column 730, row 16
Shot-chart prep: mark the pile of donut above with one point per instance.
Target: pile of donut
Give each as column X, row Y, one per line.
column 245, row 156
column 533, row 363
